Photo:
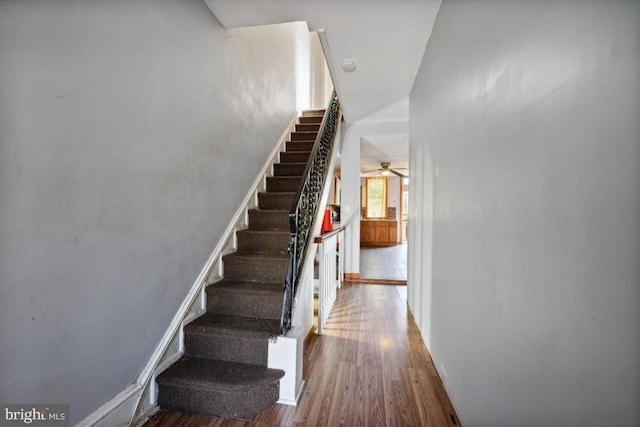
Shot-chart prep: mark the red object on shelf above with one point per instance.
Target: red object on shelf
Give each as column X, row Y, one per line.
column 326, row 222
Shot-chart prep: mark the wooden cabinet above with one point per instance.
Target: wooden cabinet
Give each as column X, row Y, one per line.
column 378, row 232
column 393, row 232
column 367, row 232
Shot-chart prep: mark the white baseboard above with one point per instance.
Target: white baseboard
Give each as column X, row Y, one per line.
column 117, row 411
column 293, row 402
column 142, row 419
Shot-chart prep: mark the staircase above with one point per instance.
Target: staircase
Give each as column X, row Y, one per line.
column 224, row 369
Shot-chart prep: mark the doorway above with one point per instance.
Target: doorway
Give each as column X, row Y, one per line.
column 381, row 264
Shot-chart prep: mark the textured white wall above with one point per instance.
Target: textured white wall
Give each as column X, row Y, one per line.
column 321, row 85
column 393, row 193
column 350, row 200
column 524, row 130
column 129, row 134
column 385, row 38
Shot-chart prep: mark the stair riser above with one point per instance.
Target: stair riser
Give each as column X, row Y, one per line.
column 224, row 404
column 295, row 157
column 255, row 270
column 230, row 349
column 271, row 201
column 289, row 169
column 313, row 113
column 308, row 127
column 278, row 184
column 265, row 243
column 229, row 303
column 263, row 220
column 311, row 119
column 293, row 146
column 303, row 136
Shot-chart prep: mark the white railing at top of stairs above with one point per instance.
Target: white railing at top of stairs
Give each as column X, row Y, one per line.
column 171, row 346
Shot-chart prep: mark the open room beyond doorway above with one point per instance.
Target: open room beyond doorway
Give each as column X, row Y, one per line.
column 384, row 264
column 383, row 224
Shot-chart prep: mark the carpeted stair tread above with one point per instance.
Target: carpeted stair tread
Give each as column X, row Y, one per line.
column 218, row 388
column 273, row 242
column 290, row 165
column 265, row 233
column 294, row 157
column 265, row 220
column 276, row 200
column 310, row 119
column 230, row 338
column 277, row 184
column 252, row 299
column 303, row 136
column 308, row 127
column 250, row 255
column 242, row 327
column 217, row 375
column 289, row 169
column 248, row 287
column 256, row 267
column 319, row 112
column 299, row 146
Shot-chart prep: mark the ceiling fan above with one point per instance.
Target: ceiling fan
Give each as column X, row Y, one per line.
column 385, row 170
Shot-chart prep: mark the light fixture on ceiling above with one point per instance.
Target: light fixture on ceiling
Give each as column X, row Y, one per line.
column 348, row 65
column 386, row 169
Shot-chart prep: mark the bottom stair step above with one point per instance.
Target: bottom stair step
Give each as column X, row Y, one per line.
column 221, row 389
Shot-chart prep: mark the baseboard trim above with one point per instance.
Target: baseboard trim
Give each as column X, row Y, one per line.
column 351, row 276
column 117, row 411
column 365, row 281
column 290, row 402
column 147, row 416
column 310, row 334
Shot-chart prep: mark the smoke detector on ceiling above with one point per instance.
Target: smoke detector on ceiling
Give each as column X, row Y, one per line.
column 348, row 65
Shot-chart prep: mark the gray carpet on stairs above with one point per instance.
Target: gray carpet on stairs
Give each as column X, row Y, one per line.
column 224, row 369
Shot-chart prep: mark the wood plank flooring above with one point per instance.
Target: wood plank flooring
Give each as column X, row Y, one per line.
column 370, row 368
column 385, row 263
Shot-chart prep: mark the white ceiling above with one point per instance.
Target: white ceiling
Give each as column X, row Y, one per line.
column 386, row 39
column 375, row 149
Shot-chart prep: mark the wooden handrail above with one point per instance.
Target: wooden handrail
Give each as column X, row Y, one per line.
column 320, row 239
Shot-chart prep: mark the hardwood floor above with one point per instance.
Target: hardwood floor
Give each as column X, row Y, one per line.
column 370, row 368
column 383, row 264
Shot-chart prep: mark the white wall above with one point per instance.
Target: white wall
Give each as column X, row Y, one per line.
column 350, row 201
column 394, row 198
column 524, row 130
column 303, row 66
column 129, row 134
column 385, row 38
column 321, row 84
